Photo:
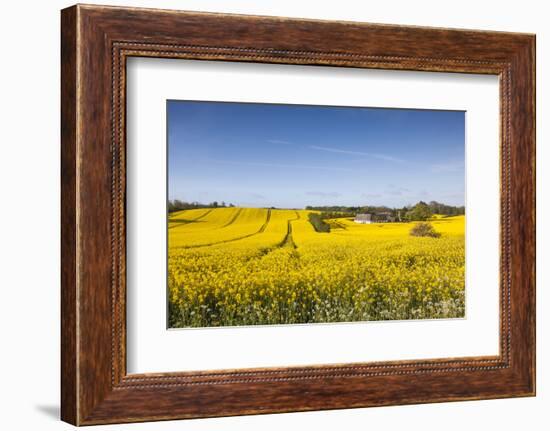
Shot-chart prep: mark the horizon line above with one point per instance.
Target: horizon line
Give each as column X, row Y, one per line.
column 245, row 205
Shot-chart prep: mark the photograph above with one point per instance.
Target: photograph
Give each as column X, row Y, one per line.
column 304, row 214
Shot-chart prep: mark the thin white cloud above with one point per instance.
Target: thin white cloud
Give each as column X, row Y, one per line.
column 279, row 142
column 358, row 153
column 280, row 165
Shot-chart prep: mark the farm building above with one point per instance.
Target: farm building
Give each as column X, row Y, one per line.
column 363, row 218
column 381, row 217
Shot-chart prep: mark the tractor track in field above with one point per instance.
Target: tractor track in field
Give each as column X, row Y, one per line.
column 340, row 225
column 186, row 222
column 288, row 241
column 233, row 218
column 205, row 214
column 262, row 229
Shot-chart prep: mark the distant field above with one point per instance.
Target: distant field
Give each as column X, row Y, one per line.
column 250, row 266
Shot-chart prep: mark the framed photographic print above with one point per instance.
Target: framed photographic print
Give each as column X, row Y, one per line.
column 265, row 215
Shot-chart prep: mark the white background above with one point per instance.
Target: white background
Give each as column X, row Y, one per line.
column 151, row 348
column 29, row 216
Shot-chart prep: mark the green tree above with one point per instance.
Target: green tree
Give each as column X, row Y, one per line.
column 420, row 212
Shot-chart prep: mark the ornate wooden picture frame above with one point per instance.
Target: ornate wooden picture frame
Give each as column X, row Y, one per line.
column 96, row 41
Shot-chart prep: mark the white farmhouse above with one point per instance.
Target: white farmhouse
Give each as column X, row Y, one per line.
column 363, row 218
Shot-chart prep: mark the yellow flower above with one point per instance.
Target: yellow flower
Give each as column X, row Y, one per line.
column 243, row 266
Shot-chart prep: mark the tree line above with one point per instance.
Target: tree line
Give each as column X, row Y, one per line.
column 177, row 205
column 419, row 212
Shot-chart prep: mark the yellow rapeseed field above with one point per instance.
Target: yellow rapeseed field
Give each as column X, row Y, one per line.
column 250, row 266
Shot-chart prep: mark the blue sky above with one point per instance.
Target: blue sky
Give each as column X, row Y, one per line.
column 290, row 156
